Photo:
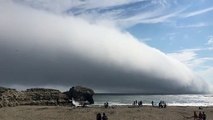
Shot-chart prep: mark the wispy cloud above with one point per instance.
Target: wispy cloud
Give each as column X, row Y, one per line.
column 146, row 39
column 192, row 25
column 210, row 40
column 199, row 12
column 190, row 57
column 207, row 74
column 81, row 6
column 151, row 18
column 125, row 13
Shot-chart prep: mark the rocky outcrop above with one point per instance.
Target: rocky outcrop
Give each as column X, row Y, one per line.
column 42, row 96
column 9, row 97
column 80, row 93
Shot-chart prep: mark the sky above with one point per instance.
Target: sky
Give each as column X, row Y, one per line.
column 145, row 46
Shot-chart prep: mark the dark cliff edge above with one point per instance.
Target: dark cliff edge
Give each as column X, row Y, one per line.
column 42, row 96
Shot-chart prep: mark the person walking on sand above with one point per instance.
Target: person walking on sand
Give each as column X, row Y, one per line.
column 104, row 117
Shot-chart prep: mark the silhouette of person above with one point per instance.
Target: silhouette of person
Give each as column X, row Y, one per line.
column 152, row 104
column 140, row 103
column 98, row 116
column 165, row 105
column 200, row 116
column 104, row 117
column 57, row 101
column 204, row 116
column 135, row 102
column 160, row 106
column 195, row 115
column 106, row 105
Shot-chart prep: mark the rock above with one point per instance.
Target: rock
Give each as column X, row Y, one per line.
column 80, row 93
column 35, row 96
column 8, row 97
column 41, row 96
column 3, row 89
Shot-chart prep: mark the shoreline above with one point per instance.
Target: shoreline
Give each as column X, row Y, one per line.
column 113, row 112
column 169, row 105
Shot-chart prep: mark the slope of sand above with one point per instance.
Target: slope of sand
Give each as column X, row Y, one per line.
column 89, row 113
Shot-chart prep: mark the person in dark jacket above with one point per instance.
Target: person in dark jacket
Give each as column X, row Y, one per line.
column 98, row 116
column 204, row 116
column 200, row 116
column 104, row 117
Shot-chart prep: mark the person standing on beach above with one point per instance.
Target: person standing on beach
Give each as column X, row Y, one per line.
column 195, row 115
column 152, row 104
column 104, row 117
column 200, row 116
column 204, row 116
column 106, row 104
column 98, row 116
column 140, row 103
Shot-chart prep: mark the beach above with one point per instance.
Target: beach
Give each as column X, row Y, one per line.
column 113, row 113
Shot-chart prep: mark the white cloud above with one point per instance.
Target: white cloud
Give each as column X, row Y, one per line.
column 120, row 11
column 193, row 25
column 40, row 48
column 150, row 17
column 207, row 74
column 184, row 56
column 145, row 39
column 190, row 57
column 91, row 4
column 199, row 12
column 60, row 6
column 56, row 6
column 210, row 40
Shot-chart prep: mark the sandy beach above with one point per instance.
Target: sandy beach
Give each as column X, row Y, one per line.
column 89, row 113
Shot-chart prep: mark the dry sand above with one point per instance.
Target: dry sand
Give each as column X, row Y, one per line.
column 89, row 113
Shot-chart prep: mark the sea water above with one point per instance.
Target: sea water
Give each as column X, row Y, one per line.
column 171, row 100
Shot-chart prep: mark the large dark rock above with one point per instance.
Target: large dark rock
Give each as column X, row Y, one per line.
column 35, row 96
column 80, row 93
column 42, row 96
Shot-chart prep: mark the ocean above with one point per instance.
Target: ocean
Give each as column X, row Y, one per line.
column 171, row 100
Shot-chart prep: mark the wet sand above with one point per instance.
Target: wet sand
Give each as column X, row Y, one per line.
column 89, row 113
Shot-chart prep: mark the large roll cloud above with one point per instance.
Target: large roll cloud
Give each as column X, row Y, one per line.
column 38, row 48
